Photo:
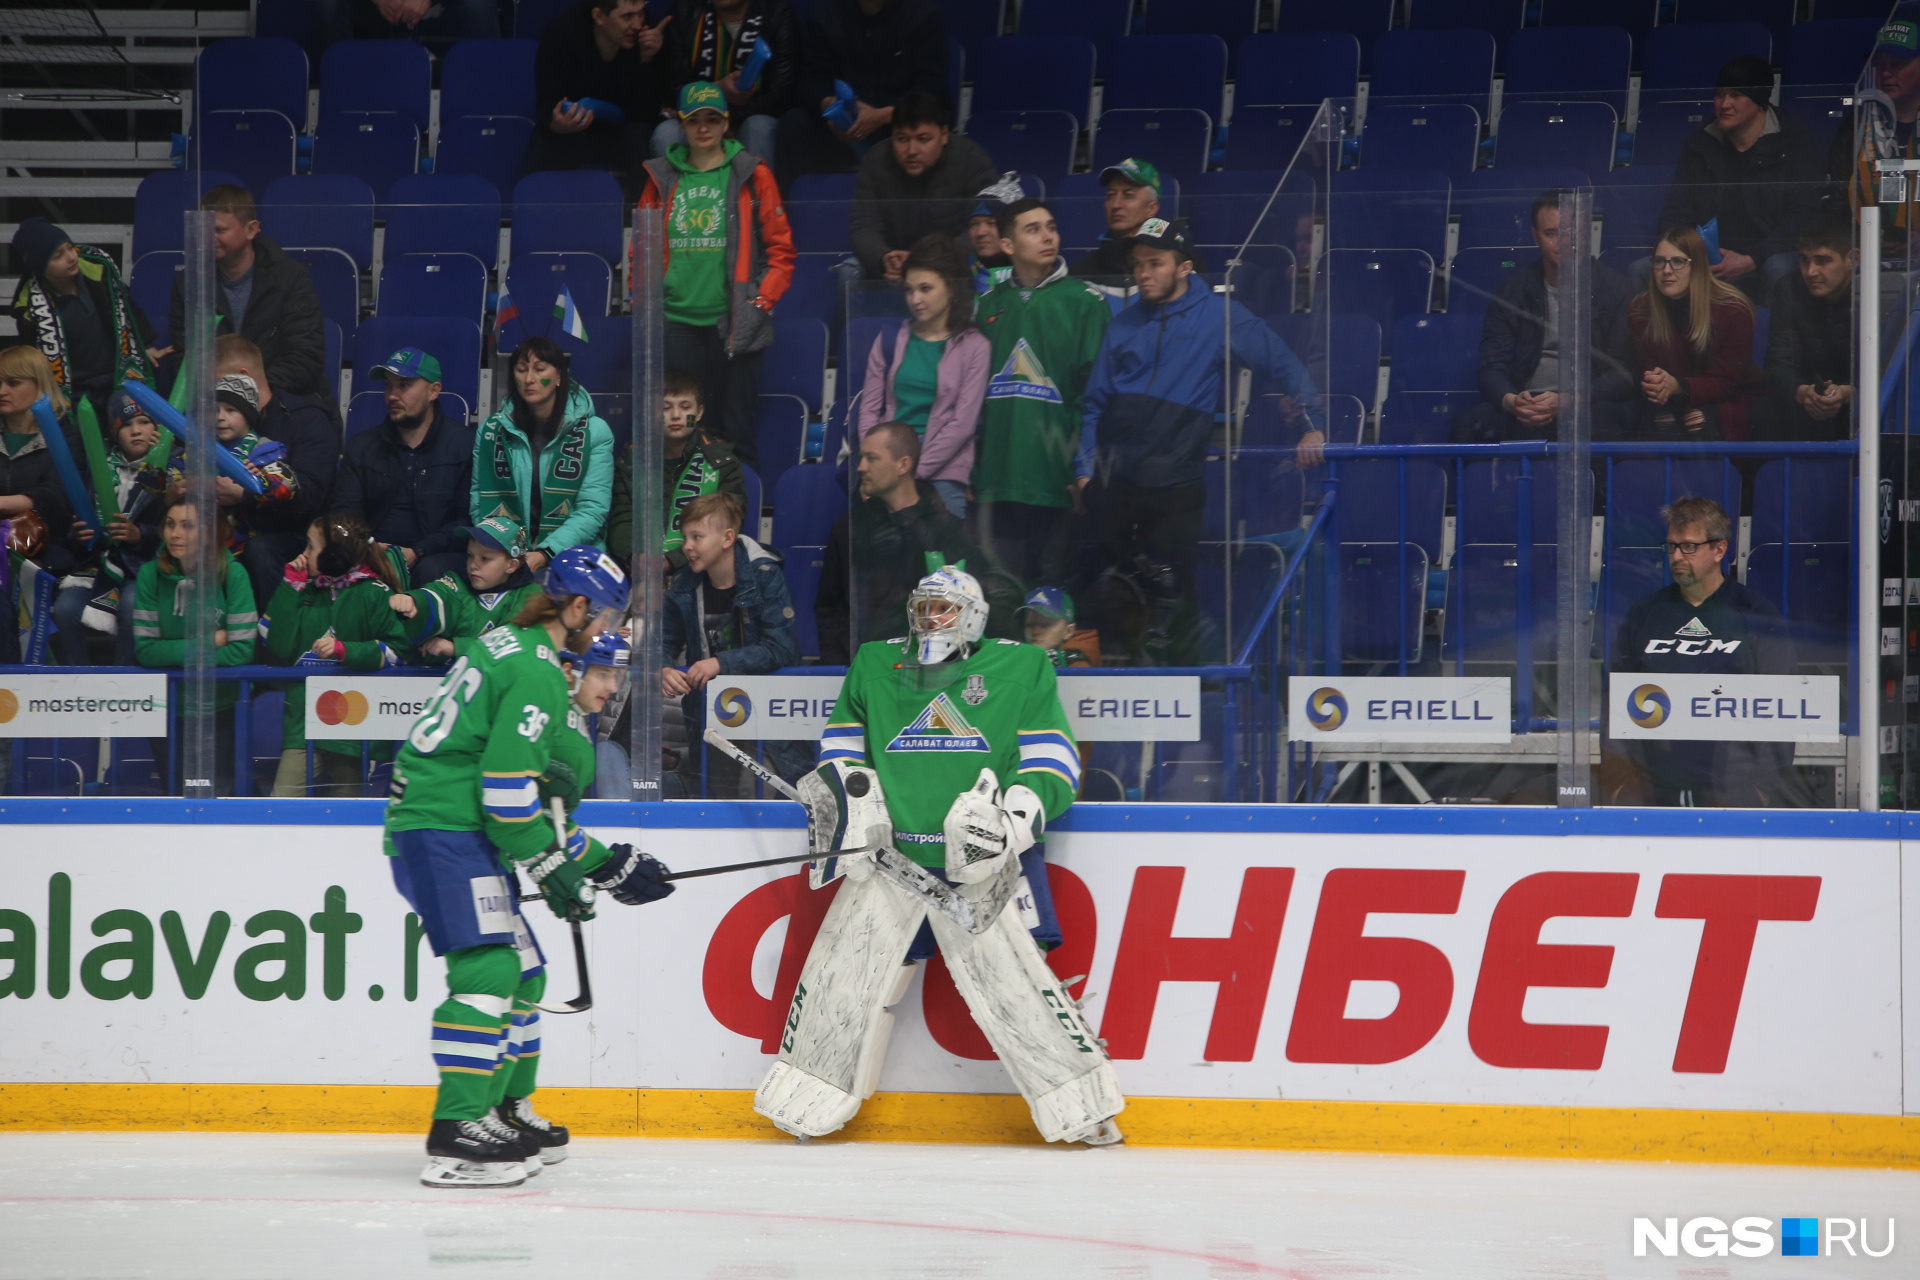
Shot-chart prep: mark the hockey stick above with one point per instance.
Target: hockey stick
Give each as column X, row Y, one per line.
column 973, row 912
column 764, row 862
column 584, row 1001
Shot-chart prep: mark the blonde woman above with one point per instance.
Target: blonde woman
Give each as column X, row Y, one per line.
column 32, row 501
column 1693, row 341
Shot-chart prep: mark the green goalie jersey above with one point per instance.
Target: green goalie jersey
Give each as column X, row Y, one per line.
column 497, row 726
column 1000, row 710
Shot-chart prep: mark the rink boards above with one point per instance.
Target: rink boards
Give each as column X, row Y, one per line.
column 1420, row 979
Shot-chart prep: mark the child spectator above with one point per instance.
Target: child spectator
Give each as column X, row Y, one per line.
column 931, row 372
column 74, row 308
column 163, row 597
column 1693, row 341
column 1050, row 625
column 696, row 464
column 1810, row 341
column 488, row 595
column 544, row 459
column 987, row 262
column 331, row 612
column 237, row 425
column 99, row 595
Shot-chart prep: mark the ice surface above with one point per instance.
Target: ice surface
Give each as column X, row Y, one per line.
column 293, row 1206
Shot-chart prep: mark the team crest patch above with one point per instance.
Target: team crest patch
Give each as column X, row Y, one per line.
column 976, row 691
column 1694, row 628
column 1023, row 377
column 940, row 727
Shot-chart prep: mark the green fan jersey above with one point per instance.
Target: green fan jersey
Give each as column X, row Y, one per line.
column 1000, row 710
column 449, row 607
column 474, row 758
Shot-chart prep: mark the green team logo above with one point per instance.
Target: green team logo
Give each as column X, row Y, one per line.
column 940, row 727
column 1023, row 377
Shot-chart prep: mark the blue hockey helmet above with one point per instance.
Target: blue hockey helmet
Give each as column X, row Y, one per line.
column 609, row 649
column 590, row 572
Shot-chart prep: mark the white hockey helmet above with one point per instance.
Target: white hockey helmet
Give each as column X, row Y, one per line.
column 946, row 613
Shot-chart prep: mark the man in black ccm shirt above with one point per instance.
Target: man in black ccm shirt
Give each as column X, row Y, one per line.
column 1702, row 623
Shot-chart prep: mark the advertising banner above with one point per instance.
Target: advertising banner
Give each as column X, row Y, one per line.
column 366, row 708
column 756, row 708
column 83, row 706
column 1724, row 708
column 1328, row 710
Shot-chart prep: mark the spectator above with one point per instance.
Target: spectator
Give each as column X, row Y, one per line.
column 410, row 477
column 1693, row 347
column 98, row 594
column 1148, row 418
column 877, row 552
column 729, row 258
column 310, row 434
column 931, row 372
column 715, row 40
column 922, row 185
column 1702, row 623
column 1520, row 348
column 236, row 426
column 32, row 500
column 600, row 52
column 1851, row 158
column 1133, row 196
column 1050, row 624
column 987, row 262
column 1045, row 331
column 1755, row 173
column 696, row 465
column 434, row 22
column 265, row 297
column 1810, row 366
column 162, row 602
column 74, row 309
column 330, row 612
column 730, row 613
column 881, row 50
column 485, row 593
column 544, row 459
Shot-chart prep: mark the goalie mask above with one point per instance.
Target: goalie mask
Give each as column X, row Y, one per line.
column 946, row 615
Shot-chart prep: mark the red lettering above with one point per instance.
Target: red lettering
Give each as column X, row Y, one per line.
column 1516, row 959
column 1241, row 962
column 1338, row 955
column 1733, row 907
column 950, row 1022
column 727, row 978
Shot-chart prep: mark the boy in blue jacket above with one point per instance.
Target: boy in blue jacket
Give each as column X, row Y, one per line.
column 1150, row 409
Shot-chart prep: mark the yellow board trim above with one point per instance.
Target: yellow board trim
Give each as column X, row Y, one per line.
column 1587, row 1133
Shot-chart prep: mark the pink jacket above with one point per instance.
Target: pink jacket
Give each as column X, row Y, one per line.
column 947, row 450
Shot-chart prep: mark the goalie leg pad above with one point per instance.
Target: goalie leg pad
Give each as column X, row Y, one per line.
column 1034, row 1027
column 837, row 1027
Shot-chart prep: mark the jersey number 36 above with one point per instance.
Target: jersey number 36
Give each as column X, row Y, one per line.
column 442, row 713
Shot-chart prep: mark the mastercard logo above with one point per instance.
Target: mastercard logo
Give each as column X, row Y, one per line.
column 733, row 707
column 1648, row 706
column 1326, row 709
column 335, row 707
column 9, row 705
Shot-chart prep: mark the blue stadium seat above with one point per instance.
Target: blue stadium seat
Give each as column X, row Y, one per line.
column 1432, row 66
column 806, row 502
column 454, row 343
column 1401, row 209
column 1775, row 15
column 1493, row 204
column 1364, row 19
column 1291, row 67
column 1383, row 283
column 1166, row 71
column 321, row 211
column 1686, row 58
column 604, row 363
column 1488, row 504
column 811, row 295
column 151, row 283
column 1038, row 142
column 535, row 281
column 489, row 147
column 252, row 75
column 566, row 212
column 1827, row 51
column 1383, row 557
column 444, row 213
column 1442, row 136
column 756, row 500
column 1034, row 73
column 796, row 362
column 1629, row 202
column 1435, row 375
column 780, row 436
column 1634, row 17
column 367, row 410
column 1823, row 113
column 377, row 75
column 1483, row 602
column 335, row 355
column 1541, row 135
column 1664, row 127
column 1102, row 21
column 1267, row 137
column 487, row 78
column 1341, row 350
column 433, row 284
column 1176, row 138
column 1223, row 208
column 1806, row 499
column 1640, row 487
column 1476, row 273
column 818, row 207
column 256, row 145
column 159, row 201
column 378, row 147
column 1231, row 20
column 1800, row 555
column 336, row 280
column 1591, row 64
column 1498, row 18
column 972, row 22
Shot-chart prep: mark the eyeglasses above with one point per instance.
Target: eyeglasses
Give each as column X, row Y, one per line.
column 1689, row 548
column 1672, row 264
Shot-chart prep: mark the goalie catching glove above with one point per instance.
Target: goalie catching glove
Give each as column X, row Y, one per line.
column 846, row 810
column 984, row 828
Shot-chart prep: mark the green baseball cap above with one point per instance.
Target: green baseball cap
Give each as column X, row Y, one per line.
column 701, row 95
column 410, row 362
column 1159, row 233
column 502, row 533
column 1140, row 173
column 1048, row 602
column 1901, row 38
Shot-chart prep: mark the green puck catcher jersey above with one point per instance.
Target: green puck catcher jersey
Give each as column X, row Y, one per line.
column 999, row 709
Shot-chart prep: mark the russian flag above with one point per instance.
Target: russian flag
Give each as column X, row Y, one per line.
column 569, row 315
column 508, row 311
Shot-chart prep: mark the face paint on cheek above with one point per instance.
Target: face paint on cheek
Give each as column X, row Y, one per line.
column 546, row 382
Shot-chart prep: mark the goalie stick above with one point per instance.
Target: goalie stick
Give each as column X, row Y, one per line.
column 973, row 911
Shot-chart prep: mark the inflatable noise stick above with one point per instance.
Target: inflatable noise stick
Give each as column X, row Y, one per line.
column 94, row 444
column 70, row 479
column 175, row 421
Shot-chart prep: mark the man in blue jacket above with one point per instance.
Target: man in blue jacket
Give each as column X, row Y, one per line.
column 1151, row 403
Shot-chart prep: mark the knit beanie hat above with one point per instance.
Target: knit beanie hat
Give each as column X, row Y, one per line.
column 36, row 241
column 239, row 391
column 1749, row 75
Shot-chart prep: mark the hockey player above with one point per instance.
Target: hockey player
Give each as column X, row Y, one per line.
column 958, row 753
column 466, row 812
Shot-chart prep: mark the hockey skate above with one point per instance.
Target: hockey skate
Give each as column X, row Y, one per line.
column 550, row 1138
column 473, row 1153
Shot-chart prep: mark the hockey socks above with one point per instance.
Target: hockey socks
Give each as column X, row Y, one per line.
column 472, row 1029
column 521, row 1062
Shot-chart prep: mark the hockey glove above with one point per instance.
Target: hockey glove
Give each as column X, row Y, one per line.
column 632, row 877
column 983, row 828
column 846, row 809
column 561, row 880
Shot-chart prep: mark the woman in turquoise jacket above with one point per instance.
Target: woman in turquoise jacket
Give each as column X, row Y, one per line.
column 544, row 459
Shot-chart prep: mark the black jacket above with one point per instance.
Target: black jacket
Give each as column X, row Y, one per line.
column 893, row 210
column 1514, row 334
column 568, row 66
column 690, row 37
column 1763, row 196
column 282, row 319
column 377, row 469
column 31, row 472
column 883, row 57
column 1809, row 340
column 99, row 380
column 875, row 558
column 1110, row 262
column 312, row 436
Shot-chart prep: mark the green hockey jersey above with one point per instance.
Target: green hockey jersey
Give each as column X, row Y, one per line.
column 474, row 759
column 1001, row 710
column 1044, row 341
column 449, row 607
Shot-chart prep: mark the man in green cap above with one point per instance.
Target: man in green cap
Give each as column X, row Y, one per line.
column 1881, row 127
column 1133, row 196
